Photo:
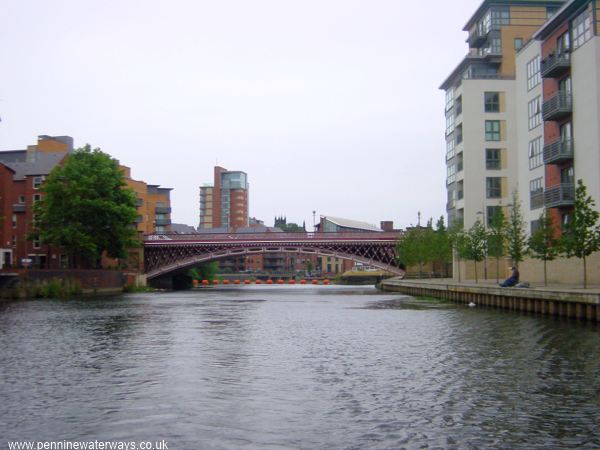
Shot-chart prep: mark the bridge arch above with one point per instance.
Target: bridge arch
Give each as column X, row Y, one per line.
column 166, row 254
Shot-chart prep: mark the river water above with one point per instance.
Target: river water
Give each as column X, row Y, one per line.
column 274, row 367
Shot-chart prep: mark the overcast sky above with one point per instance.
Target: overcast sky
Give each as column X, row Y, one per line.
column 328, row 105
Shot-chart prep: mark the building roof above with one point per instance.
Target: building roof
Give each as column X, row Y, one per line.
column 43, row 165
column 13, row 156
column 348, row 223
column 562, row 15
column 485, row 5
column 182, row 228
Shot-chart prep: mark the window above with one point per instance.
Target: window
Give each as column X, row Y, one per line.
column 449, row 98
column 581, row 29
column 493, row 187
column 491, row 211
column 459, row 105
column 500, row 18
column 449, row 124
column 567, row 175
column 563, row 44
column 450, row 174
column 534, row 226
column 536, row 157
column 536, row 193
column 450, row 149
column 492, row 159
column 36, row 198
column 37, row 182
column 460, row 190
column 496, row 46
column 14, row 221
column 491, row 101
column 21, row 199
column 564, row 86
column 534, row 108
column 14, row 241
column 459, row 162
column 566, row 132
column 492, row 130
column 459, row 134
column 533, row 73
column 36, row 241
column 518, row 44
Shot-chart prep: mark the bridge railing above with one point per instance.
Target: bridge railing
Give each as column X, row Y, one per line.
column 270, row 237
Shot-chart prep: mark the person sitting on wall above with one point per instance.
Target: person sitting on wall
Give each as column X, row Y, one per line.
column 513, row 279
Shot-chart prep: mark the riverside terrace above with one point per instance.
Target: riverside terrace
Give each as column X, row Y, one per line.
column 167, row 254
column 556, row 300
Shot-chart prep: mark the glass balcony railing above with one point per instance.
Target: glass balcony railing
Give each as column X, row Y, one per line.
column 560, row 195
column 558, row 106
column 558, row 152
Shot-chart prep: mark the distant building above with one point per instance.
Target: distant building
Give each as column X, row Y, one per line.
column 181, row 228
column 225, row 202
column 22, row 174
column 329, row 224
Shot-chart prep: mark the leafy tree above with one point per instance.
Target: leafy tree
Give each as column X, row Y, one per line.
column 497, row 238
column 441, row 246
column 516, row 238
column 474, row 244
column 415, row 246
column 581, row 234
column 543, row 243
column 457, row 237
column 87, row 208
column 206, row 271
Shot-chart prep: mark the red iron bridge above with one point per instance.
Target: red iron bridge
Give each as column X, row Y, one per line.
column 166, row 254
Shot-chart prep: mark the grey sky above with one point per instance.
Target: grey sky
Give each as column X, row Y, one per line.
column 330, row 106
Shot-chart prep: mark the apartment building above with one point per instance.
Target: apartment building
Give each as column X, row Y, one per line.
column 153, row 204
column 224, row 204
column 570, row 72
column 22, row 174
column 481, row 110
column 530, row 134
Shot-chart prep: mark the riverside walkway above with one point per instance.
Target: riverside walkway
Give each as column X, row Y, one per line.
column 557, row 300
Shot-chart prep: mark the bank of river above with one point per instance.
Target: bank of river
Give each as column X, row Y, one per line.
column 295, row 367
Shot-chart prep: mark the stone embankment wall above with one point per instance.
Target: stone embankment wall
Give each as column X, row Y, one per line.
column 580, row 304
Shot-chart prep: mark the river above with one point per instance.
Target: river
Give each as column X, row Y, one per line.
column 278, row 367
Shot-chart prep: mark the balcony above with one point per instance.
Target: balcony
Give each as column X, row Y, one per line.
column 560, row 195
column 162, row 222
column 163, row 210
column 558, row 152
column 477, row 38
column 555, row 65
column 536, row 200
column 558, row 106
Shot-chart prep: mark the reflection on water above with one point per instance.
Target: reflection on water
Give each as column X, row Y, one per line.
column 296, row 367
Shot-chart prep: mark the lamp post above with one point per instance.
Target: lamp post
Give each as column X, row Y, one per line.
column 314, row 220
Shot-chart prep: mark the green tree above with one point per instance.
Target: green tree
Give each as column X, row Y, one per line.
column 206, row 271
column 415, row 246
column 543, row 243
column 87, row 208
column 516, row 239
column 581, row 234
column 457, row 237
column 441, row 246
column 496, row 238
column 474, row 246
